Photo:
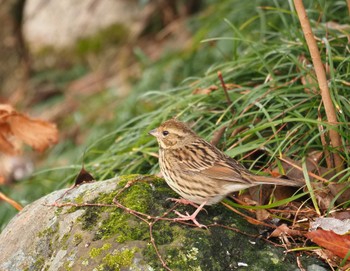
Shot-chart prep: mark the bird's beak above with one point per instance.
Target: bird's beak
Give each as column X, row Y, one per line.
column 154, row 133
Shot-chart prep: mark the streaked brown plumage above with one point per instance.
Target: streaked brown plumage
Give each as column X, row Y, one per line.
column 198, row 171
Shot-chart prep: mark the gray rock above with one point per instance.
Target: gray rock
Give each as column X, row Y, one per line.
column 59, row 24
column 105, row 237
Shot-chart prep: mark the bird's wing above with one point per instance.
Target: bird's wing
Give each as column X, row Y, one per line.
column 215, row 165
column 224, row 171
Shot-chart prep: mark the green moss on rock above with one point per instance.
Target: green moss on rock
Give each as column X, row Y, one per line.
column 95, row 252
column 77, row 239
column 118, row 260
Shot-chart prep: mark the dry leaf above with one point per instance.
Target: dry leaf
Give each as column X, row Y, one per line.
column 212, row 88
column 83, row 177
column 337, row 244
column 341, row 191
column 205, row 90
column 284, row 230
column 331, row 224
column 16, row 127
column 262, row 215
column 7, row 144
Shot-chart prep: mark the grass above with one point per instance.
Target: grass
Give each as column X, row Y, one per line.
column 256, row 45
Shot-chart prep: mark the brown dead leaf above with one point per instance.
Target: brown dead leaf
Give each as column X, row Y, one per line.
column 36, row 133
column 262, row 215
column 337, row 244
column 205, row 90
column 212, row 88
column 7, row 142
column 341, row 191
column 16, row 127
column 284, row 230
column 83, row 177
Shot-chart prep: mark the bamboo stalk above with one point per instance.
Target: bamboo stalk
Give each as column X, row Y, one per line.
column 322, row 82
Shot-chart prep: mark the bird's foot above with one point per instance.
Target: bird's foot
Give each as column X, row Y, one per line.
column 188, row 217
column 192, row 217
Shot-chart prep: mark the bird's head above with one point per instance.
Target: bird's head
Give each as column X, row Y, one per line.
column 173, row 134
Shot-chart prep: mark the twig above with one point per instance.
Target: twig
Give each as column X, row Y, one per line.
column 300, row 264
column 10, row 201
column 249, row 219
column 348, row 2
column 229, row 102
column 322, row 82
column 299, row 168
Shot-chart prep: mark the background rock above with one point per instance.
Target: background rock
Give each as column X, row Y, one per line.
column 60, row 23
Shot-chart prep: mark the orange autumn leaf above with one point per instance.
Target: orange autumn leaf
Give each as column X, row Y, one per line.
column 337, row 244
column 7, row 144
column 16, row 127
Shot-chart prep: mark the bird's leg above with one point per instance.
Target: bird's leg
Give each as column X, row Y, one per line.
column 191, row 217
column 183, row 201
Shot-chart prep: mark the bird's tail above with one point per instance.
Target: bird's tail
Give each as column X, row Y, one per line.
column 277, row 181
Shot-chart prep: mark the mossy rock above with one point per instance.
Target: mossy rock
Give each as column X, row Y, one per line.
column 91, row 233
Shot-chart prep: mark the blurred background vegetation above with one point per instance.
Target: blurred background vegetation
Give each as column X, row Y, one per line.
column 109, row 89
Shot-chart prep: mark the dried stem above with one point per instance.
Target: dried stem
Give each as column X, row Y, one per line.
column 299, row 168
column 348, row 2
column 10, row 201
column 229, row 102
column 322, row 82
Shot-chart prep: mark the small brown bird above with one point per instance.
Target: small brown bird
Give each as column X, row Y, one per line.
column 198, row 171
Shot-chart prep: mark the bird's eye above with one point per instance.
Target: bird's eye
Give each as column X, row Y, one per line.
column 165, row 133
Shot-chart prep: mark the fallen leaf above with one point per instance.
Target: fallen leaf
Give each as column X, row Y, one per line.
column 205, row 90
column 16, row 128
column 36, row 133
column 284, row 230
column 337, row 244
column 341, row 191
column 7, row 144
column 331, row 224
column 212, row 88
column 83, row 177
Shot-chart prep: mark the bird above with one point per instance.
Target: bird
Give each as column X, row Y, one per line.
column 199, row 172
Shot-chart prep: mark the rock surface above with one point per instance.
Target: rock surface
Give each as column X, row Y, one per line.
column 102, row 236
